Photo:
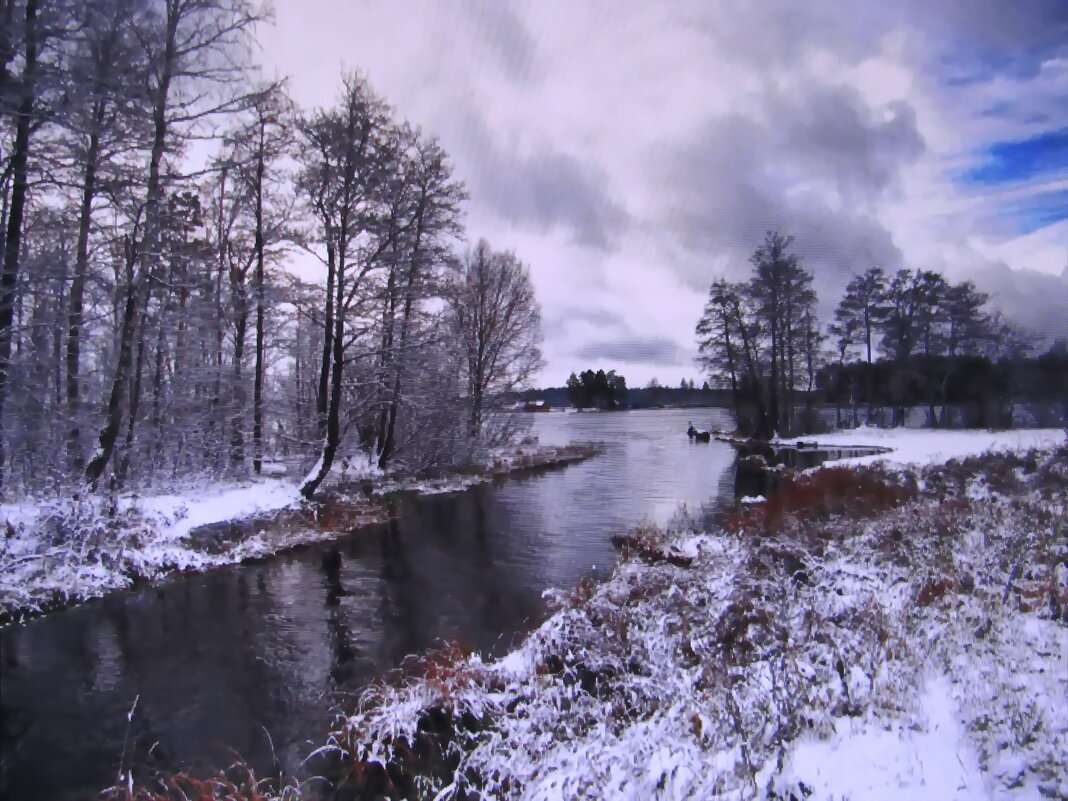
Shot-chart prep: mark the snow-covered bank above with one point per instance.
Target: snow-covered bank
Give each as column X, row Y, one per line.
column 64, row 551
column 914, row 645
column 927, row 446
column 498, row 462
column 216, row 504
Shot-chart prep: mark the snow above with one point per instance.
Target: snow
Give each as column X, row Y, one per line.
column 928, row 446
column 216, row 504
column 930, row 760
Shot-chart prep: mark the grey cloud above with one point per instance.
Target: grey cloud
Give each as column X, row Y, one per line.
column 733, row 182
column 542, row 190
column 831, row 133
column 654, row 350
column 1038, row 302
column 775, row 33
column 550, row 188
column 1005, row 29
column 564, row 316
column 498, row 26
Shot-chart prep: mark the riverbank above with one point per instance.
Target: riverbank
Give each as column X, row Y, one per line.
column 872, row 632
column 58, row 553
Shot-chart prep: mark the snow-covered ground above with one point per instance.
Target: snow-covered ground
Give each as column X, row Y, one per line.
column 215, row 504
column 920, row 652
column 926, row 446
column 928, row 759
column 499, row 461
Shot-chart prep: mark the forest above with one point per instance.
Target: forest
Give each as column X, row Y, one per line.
column 900, row 340
column 156, row 191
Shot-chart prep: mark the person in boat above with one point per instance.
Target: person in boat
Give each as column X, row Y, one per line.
column 691, row 432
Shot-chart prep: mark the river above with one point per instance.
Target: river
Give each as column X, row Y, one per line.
column 252, row 660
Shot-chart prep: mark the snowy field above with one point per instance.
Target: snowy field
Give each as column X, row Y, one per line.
column 918, row 650
column 926, row 446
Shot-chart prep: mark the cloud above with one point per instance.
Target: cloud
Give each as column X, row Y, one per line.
column 813, row 166
column 999, row 36
column 541, row 189
column 500, row 28
column 602, row 319
column 654, row 350
column 1036, row 301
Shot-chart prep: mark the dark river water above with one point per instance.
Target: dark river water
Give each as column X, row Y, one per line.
column 230, row 662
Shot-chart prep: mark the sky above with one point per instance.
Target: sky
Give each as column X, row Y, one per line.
column 630, row 153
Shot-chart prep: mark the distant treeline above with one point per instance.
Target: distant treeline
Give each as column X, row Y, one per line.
column 633, row 398
column 971, row 391
column 907, row 339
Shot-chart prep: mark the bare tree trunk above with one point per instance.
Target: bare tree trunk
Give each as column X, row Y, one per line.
column 178, row 371
column 390, row 442
column 16, row 212
column 773, row 401
column 322, row 398
column 333, row 419
column 135, row 405
column 257, row 400
column 237, row 423
column 77, row 295
column 869, row 378
column 386, row 359
column 110, row 432
column 299, row 373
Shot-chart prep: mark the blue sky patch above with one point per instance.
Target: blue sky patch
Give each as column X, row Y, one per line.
column 1006, row 162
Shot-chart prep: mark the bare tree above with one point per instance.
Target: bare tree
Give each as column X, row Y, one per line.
column 858, row 316
column 101, row 126
column 497, row 321
column 728, row 336
column 257, row 147
column 423, row 217
column 782, row 292
column 345, row 159
column 24, row 113
column 908, row 322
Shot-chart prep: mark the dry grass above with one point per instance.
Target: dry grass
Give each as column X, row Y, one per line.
column 239, row 783
column 859, row 493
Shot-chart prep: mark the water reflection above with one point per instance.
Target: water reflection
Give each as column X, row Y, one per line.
column 222, row 660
